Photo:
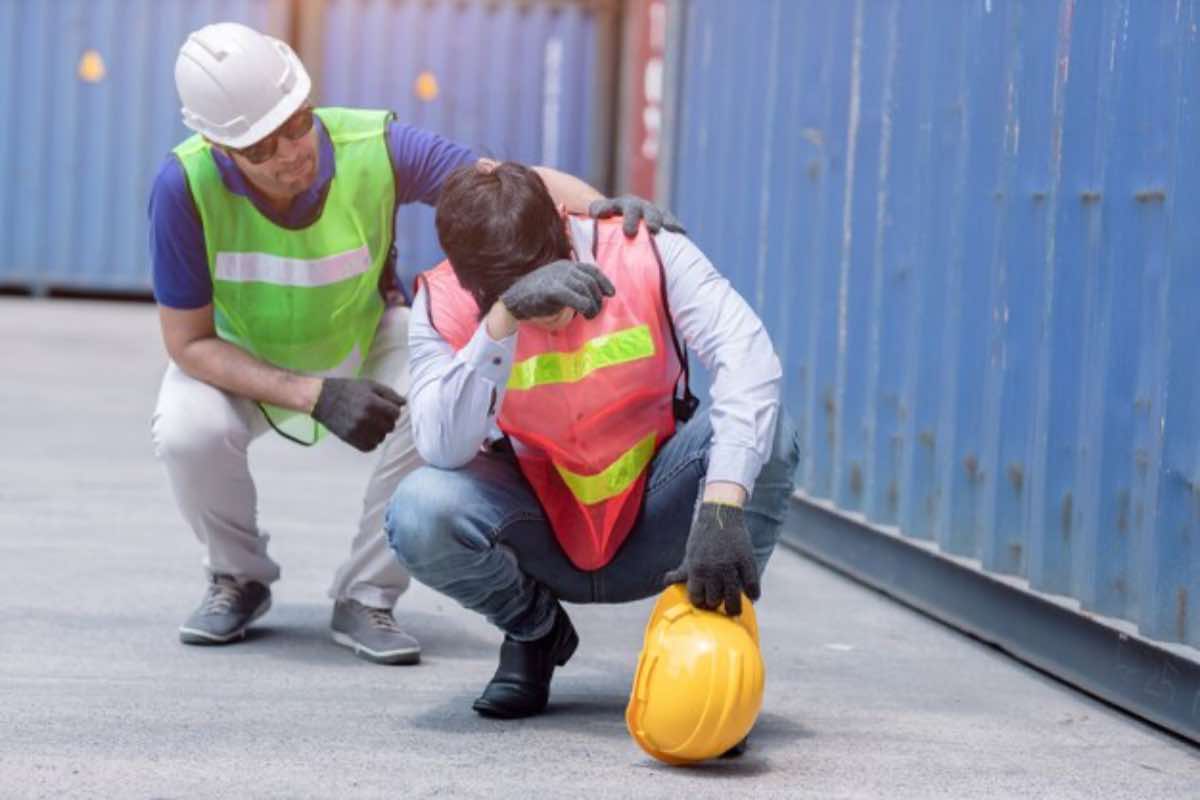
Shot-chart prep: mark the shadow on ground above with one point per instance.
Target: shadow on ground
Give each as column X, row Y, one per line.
column 602, row 714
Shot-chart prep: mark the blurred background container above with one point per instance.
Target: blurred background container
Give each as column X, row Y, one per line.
column 87, row 95
column 87, row 92
column 525, row 81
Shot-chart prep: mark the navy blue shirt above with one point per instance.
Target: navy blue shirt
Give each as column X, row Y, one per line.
column 421, row 160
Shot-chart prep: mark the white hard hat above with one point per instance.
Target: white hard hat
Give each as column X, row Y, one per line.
column 236, row 84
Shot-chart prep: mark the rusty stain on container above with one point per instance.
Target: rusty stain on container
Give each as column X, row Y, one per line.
column 1141, row 459
column 813, row 170
column 1066, row 513
column 830, row 407
column 1123, row 511
column 1089, row 198
column 927, row 438
column 893, row 497
column 1120, row 586
column 1181, row 604
column 1039, row 197
column 1015, row 550
column 1016, row 476
column 971, row 467
column 1150, row 196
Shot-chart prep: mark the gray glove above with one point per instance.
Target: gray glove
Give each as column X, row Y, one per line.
column 358, row 411
column 634, row 210
column 558, row 285
column 718, row 564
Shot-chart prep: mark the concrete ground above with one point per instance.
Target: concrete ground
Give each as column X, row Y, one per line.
column 865, row 698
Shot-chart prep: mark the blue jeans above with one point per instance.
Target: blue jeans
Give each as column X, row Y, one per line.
column 478, row 534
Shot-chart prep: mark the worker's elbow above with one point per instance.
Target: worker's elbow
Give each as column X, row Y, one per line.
column 438, row 450
column 774, row 367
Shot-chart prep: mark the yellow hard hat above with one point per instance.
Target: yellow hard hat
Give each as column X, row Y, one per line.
column 699, row 682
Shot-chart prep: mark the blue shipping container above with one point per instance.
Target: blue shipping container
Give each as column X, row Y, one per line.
column 89, row 92
column 88, row 97
column 966, row 225
column 525, row 81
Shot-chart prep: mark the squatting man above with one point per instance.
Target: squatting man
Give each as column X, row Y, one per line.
column 565, row 462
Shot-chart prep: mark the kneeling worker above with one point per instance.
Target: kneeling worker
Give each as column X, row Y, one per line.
column 547, row 359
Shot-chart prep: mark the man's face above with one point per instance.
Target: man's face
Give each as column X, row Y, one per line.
column 292, row 167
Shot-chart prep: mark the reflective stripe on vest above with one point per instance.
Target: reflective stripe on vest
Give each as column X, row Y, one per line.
column 609, row 350
column 616, row 478
column 281, row 271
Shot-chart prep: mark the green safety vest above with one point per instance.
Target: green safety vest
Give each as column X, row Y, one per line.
column 305, row 300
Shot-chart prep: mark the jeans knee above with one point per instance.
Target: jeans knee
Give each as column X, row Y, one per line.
column 426, row 523
column 786, row 447
column 781, row 465
column 776, row 481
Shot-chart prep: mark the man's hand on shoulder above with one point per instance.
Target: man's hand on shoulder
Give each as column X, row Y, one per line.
column 634, row 210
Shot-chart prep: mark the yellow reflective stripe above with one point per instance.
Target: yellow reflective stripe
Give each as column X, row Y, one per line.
column 616, row 477
column 609, row 350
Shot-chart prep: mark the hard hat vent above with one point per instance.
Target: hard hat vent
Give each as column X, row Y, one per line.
column 237, row 85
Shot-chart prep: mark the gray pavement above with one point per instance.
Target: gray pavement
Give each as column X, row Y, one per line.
column 865, row 698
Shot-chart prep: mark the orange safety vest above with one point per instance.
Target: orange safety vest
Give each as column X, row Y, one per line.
column 587, row 407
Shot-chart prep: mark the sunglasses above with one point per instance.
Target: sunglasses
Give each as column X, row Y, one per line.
column 293, row 128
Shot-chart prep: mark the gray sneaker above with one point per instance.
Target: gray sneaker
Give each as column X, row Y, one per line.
column 226, row 611
column 372, row 633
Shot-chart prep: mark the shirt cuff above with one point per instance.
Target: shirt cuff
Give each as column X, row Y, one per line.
column 490, row 359
column 734, row 464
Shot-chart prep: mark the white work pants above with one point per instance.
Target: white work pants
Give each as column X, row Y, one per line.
column 202, row 433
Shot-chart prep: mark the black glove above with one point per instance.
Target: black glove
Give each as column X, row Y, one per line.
column 634, row 210
column 358, row 411
column 547, row 290
column 718, row 563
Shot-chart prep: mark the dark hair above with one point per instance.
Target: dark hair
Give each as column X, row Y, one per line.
column 497, row 224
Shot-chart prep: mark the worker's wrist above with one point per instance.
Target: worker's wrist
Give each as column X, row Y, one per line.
column 307, row 391
column 725, row 493
column 500, row 322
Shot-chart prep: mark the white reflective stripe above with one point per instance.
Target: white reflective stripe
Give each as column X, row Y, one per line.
column 280, row 271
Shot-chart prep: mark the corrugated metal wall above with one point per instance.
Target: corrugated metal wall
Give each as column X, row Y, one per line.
column 87, row 92
column 971, row 227
column 87, row 95
column 528, row 81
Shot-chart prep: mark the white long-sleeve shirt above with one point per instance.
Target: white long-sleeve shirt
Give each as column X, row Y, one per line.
column 455, row 397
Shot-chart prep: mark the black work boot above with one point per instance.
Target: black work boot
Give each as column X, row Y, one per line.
column 521, row 685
